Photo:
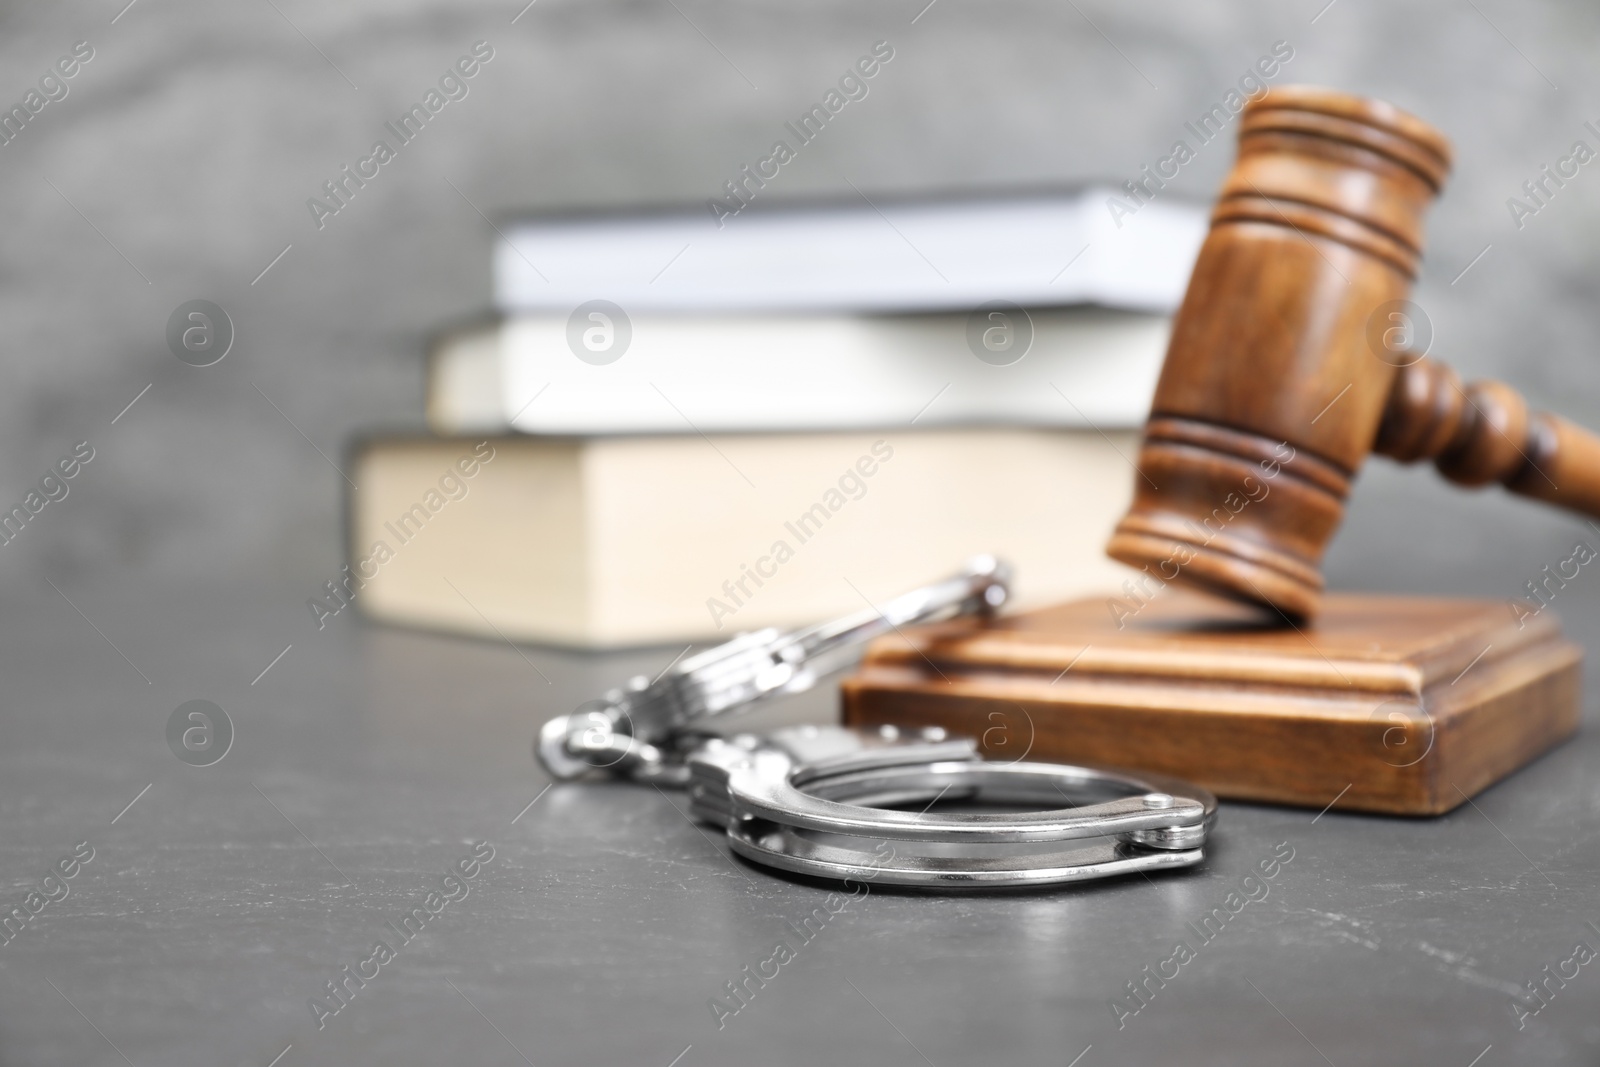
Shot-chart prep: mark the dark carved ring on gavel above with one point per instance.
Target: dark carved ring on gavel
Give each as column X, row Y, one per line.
column 1273, row 395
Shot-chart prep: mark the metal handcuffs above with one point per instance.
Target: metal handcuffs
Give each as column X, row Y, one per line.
column 822, row 800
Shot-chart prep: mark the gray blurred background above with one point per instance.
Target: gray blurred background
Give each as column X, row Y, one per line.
column 193, row 139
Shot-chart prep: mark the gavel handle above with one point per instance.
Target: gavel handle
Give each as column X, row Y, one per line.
column 1483, row 432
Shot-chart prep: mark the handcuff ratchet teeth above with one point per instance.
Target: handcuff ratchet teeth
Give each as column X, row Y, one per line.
column 825, row 801
column 646, row 729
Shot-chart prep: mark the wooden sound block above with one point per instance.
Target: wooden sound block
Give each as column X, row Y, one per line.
column 1389, row 704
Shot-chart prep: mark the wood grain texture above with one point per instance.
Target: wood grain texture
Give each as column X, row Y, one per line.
column 1290, row 362
column 1391, row 704
column 1318, row 225
column 1483, row 432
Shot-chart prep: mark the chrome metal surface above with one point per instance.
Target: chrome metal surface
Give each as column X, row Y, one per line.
column 823, row 800
column 791, row 851
column 813, row 801
column 645, row 729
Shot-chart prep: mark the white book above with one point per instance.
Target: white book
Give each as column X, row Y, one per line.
column 886, row 255
column 1084, row 368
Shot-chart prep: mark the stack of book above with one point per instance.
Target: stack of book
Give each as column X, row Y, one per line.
column 671, row 430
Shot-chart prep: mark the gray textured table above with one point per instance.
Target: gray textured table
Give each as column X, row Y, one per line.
column 367, row 761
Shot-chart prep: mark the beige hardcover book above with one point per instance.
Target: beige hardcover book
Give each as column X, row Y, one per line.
column 614, row 541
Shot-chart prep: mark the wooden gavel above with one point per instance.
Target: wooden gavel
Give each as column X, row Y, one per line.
column 1290, row 361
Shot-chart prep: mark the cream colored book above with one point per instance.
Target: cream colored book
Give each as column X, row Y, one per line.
column 614, row 541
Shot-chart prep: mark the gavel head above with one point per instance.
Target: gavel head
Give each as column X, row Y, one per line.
column 1281, row 361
